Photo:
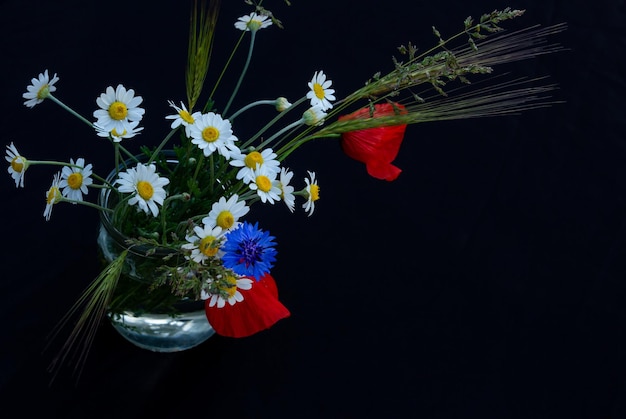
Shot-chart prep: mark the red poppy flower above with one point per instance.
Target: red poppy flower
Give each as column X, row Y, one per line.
column 259, row 310
column 376, row 147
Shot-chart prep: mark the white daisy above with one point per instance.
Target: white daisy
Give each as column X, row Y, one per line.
column 210, row 133
column 249, row 162
column 53, row 195
column 130, row 131
column 286, row 190
column 313, row 193
column 320, row 93
column 75, row 180
column 226, row 213
column 17, row 165
column 205, row 243
column 183, row 117
column 314, row 116
column 118, row 108
column 265, row 185
column 231, row 287
column 145, row 185
column 40, row 89
column 252, row 22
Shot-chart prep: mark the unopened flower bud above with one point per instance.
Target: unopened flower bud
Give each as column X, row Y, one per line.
column 282, row 104
column 314, row 116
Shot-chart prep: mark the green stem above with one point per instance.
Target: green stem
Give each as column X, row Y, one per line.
column 70, row 110
column 181, row 196
column 118, row 148
column 281, row 132
column 251, row 105
column 128, row 153
column 60, row 163
column 272, row 122
column 105, row 184
column 86, row 203
column 116, row 157
column 51, row 163
column 199, row 165
column 232, row 54
column 160, row 147
column 212, row 173
column 243, row 72
column 289, row 148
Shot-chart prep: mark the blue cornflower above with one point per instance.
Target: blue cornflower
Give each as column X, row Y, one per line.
column 249, row 251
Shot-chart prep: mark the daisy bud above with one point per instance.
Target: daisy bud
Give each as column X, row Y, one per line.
column 282, row 104
column 314, row 116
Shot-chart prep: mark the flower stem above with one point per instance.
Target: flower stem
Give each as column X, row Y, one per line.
column 232, row 54
column 160, row 147
column 52, row 163
column 200, row 164
column 250, row 105
column 70, row 110
column 243, row 72
column 281, row 132
column 212, row 175
column 272, row 122
column 86, row 203
column 180, row 196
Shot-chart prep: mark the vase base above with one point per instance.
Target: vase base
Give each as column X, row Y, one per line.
column 162, row 332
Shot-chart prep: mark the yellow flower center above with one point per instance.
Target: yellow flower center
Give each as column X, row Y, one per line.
column 252, row 159
column 145, row 189
column 53, row 195
column 208, row 246
column 254, row 24
column 115, row 134
column 264, row 183
column 318, row 90
column 118, row 111
column 186, row 116
column 225, row 220
column 43, row 92
column 75, row 180
column 17, row 164
column 315, row 193
column 229, row 285
column 210, row 134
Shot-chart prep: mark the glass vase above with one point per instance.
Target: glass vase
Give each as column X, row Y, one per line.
column 152, row 319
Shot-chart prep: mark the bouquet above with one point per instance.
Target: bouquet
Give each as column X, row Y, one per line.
column 186, row 203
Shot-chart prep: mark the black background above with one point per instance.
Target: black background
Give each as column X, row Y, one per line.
column 487, row 281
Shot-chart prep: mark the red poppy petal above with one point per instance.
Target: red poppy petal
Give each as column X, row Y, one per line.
column 268, row 282
column 259, row 310
column 382, row 170
column 376, row 147
column 381, row 143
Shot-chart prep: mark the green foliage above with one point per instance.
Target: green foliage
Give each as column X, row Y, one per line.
column 201, row 35
column 94, row 302
column 153, row 272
